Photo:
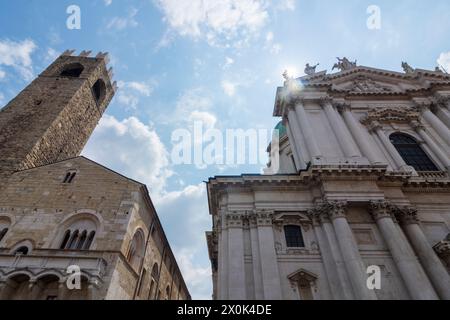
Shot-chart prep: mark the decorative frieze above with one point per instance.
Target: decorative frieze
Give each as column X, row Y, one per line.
column 391, row 115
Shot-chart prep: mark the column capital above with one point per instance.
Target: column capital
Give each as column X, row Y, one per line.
column 234, row 220
column 440, row 101
column 417, row 125
column 374, row 126
column 422, row 106
column 342, row 106
column 406, row 215
column 380, row 209
column 264, row 217
column 336, row 209
column 325, row 101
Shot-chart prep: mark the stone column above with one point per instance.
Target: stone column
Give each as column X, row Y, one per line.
column 308, row 134
column 4, row 290
column 400, row 163
column 269, row 261
column 338, row 291
column 344, row 140
column 256, row 259
column 295, row 135
column 62, row 290
column 441, row 110
column 34, row 290
column 430, row 143
column 435, row 123
column 353, row 262
column 419, row 287
column 361, row 136
column 223, row 257
column 236, row 264
column 433, row 266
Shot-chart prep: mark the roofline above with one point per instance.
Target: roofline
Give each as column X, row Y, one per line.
column 147, row 197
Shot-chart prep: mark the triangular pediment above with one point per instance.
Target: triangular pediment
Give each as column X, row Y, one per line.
column 369, row 81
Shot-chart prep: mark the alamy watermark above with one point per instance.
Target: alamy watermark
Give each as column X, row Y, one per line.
column 374, row 279
column 374, row 20
column 230, row 147
column 73, row 281
column 73, row 21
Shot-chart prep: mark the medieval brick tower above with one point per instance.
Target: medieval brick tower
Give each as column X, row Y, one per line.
column 59, row 209
column 52, row 118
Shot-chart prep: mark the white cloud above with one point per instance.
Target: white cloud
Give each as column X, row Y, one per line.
column 187, row 235
column 191, row 101
column 228, row 62
column 2, row 74
column 107, row 2
column 131, row 148
column 51, row 54
column 208, row 119
column 287, row 5
column 215, row 20
column 444, row 61
column 120, row 23
column 130, row 92
column 270, row 45
column 228, row 87
column 18, row 56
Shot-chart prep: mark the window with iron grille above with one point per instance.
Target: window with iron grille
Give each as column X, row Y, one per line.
column 294, row 237
column 412, row 153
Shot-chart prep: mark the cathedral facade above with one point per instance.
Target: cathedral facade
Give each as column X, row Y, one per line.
column 361, row 190
column 71, row 228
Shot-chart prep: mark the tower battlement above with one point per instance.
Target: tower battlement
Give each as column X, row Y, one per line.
column 54, row 116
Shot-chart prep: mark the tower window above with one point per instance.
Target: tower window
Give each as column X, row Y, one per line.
column 412, row 153
column 3, row 233
column 22, row 250
column 69, row 177
column 99, row 90
column 294, row 237
column 72, row 70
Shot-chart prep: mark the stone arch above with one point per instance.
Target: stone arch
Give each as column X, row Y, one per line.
column 29, row 244
column 72, row 70
column 77, row 232
column 99, row 91
column 135, row 253
column 17, row 287
column 5, row 226
column 46, row 286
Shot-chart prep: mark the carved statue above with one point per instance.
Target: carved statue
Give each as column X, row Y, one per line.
column 407, row 68
column 286, row 76
column 344, row 64
column 310, row 70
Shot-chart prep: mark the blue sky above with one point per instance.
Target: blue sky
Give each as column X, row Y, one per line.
column 215, row 61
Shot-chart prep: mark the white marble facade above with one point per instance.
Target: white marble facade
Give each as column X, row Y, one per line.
column 360, row 197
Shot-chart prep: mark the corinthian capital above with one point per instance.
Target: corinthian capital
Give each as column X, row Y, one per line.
column 406, row 215
column 336, row 209
column 380, row 209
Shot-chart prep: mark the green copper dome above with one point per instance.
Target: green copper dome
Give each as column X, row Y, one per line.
column 281, row 129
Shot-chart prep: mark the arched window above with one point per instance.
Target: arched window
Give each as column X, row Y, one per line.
column 99, row 90
column 5, row 223
column 294, row 237
column 3, row 233
column 136, row 250
column 22, row 250
column 412, row 153
column 168, row 292
column 79, row 235
column 72, row 70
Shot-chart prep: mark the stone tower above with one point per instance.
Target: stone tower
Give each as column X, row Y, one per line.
column 52, row 118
